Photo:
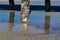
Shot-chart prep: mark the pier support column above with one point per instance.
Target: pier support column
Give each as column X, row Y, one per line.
column 25, row 15
column 47, row 6
column 11, row 17
column 11, row 3
column 47, row 18
column 47, row 24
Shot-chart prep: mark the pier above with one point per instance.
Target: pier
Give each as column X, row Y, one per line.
column 32, row 7
column 24, row 30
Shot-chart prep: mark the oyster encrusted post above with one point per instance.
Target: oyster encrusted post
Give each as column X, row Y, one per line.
column 25, row 15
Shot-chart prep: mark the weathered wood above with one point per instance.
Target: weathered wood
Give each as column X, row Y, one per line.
column 47, row 5
column 47, row 18
column 11, row 3
column 25, row 15
column 32, row 8
column 47, row 24
column 11, row 17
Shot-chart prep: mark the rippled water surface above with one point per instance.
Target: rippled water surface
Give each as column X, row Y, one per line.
column 42, row 26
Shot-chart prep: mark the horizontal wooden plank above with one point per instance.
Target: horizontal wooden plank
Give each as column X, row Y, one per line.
column 32, row 8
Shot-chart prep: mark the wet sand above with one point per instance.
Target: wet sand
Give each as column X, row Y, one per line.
column 9, row 32
column 21, row 36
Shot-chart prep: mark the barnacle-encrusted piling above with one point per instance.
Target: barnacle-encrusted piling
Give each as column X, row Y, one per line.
column 25, row 15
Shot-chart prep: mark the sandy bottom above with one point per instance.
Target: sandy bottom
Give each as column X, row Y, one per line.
column 14, row 32
column 22, row 36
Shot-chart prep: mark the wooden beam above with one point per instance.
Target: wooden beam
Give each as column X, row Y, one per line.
column 32, row 8
column 11, row 3
column 47, row 5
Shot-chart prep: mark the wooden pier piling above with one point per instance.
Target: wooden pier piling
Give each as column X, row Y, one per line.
column 47, row 24
column 47, row 6
column 11, row 17
column 25, row 15
column 11, row 3
column 47, row 18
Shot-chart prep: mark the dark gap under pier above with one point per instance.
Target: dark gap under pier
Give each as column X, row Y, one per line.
column 32, row 8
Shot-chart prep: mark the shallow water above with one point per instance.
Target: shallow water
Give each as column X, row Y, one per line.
column 43, row 26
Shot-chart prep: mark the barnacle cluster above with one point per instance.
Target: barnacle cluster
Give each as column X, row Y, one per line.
column 25, row 15
column 25, row 11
